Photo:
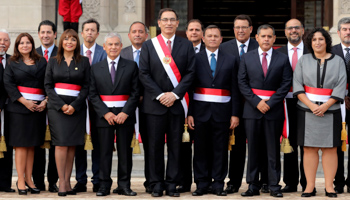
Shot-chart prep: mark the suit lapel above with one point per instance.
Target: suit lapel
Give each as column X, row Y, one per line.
column 219, row 63
column 256, row 58
column 97, row 54
column 105, row 73
column 205, row 62
column 119, row 73
column 271, row 65
column 235, row 48
column 176, row 47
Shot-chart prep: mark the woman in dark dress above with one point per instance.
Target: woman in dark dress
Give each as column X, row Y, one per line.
column 24, row 83
column 67, row 85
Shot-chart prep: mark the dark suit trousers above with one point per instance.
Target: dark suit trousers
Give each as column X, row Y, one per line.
column 186, row 162
column 40, row 164
column 124, row 135
column 271, row 130
column 211, row 138
column 157, row 127
column 291, row 161
column 6, row 163
column 145, row 143
column 81, row 155
column 237, row 157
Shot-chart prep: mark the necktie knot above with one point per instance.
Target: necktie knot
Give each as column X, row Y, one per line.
column 46, row 51
column 295, row 49
column 242, row 46
column 195, row 49
column 264, row 54
column 212, row 55
column 169, row 45
column 113, row 63
column 88, row 52
column 347, row 49
column 46, row 55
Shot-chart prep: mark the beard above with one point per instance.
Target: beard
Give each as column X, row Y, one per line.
column 295, row 40
column 2, row 50
column 346, row 41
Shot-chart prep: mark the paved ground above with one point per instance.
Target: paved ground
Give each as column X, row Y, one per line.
column 137, row 187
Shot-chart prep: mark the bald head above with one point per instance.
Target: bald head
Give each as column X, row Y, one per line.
column 294, row 31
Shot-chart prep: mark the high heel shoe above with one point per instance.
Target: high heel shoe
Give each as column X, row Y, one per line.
column 21, row 192
column 32, row 190
column 330, row 194
column 305, row 194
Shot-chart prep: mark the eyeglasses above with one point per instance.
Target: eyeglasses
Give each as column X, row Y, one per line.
column 172, row 20
column 244, row 28
column 289, row 28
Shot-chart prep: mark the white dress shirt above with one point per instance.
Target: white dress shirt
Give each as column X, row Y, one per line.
column 92, row 49
column 50, row 49
column 110, row 63
column 209, row 55
column 290, row 49
column 239, row 46
column 268, row 56
column 134, row 53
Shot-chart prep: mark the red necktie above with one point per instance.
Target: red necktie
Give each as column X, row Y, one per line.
column 88, row 54
column 1, row 57
column 169, row 46
column 294, row 58
column 264, row 64
column 46, row 56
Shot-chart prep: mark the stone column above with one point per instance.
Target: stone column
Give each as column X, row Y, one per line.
column 341, row 8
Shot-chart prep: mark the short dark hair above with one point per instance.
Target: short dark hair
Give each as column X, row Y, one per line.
column 265, row 26
column 138, row 22
column 325, row 34
column 92, row 20
column 165, row 10
column 48, row 23
column 210, row 27
column 244, row 17
column 195, row 20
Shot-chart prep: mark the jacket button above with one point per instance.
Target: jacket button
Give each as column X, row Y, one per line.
column 213, row 85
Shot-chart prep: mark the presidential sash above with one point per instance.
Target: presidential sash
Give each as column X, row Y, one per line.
column 169, row 66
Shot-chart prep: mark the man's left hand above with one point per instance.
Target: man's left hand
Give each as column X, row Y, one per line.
column 120, row 118
column 234, row 122
column 167, row 99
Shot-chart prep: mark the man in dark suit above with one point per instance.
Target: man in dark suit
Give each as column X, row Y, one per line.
column 114, row 94
column 166, row 72
column 6, row 163
column 47, row 35
column 138, row 33
column 194, row 33
column 210, row 116
column 242, row 26
column 342, row 50
column 295, row 48
column 95, row 53
column 264, row 78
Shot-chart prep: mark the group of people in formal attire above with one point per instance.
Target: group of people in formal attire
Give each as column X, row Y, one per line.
column 227, row 94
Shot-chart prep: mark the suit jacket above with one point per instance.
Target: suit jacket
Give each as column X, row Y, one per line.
column 99, row 55
column 225, row 78
column 19, row 74
column 337, row 50
column 156, row 81
column 3, row 93
column 230, row 47
column 54, row 51
column 127, row 53
column 278, row 78
column 126, row 83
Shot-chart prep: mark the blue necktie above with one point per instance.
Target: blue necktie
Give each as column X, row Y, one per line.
column 242, row 51
column 137, row 58
column 213, row 63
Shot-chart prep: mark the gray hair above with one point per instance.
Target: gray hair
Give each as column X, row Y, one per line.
column 5, row 31
column 345, row 20
column 265, row 26
column 112, row 35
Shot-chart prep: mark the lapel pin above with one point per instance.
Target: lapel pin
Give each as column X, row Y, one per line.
column 76, row 68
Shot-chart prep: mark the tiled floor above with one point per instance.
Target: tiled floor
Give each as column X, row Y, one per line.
column 138, row 187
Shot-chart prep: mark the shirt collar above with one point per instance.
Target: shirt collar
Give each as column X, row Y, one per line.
column 199, row 46
column 269, row 52
column 50, row 49
column 134, row 49
column 171, row 39
column 343, row 46
column 92, row 49
column 215, row 52
column 300, row 46
column 246, row 43
column 115, row 60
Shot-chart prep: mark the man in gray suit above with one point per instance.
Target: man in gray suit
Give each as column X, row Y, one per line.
column 95, row 53
column 138, row 33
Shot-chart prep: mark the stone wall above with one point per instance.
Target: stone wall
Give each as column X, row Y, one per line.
column 341, row 8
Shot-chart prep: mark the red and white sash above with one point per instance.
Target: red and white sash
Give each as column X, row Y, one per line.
column 169, row 66
column 67, row 89
column 114, row 100
column 212, row 95
column 263, row 94
column 35, row 94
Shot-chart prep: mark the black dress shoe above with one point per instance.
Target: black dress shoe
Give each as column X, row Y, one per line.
column 53, row 188
column 289, row 188
column 306, row 194
column 173, row 193
column 7, row 189
column 200, row 192
column 62, row 194
column 72, row 192
column 277, row 193
column 265, row 188
column 250, row 193
column 96, row 187
column 79, row 187
column 339, row 190
column 219, row 192
column 103, row 192
column 348, row 189
column 21, row 192
column 149, row 190
column 183, row 189
column 157, row 193
column 330, row 194
column 41, row 187
column 230, row 189
column 124, row 191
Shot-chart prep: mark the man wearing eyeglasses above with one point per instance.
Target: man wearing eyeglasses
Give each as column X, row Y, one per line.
column 166, row 72
column 295, row 48
column 237, row 47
